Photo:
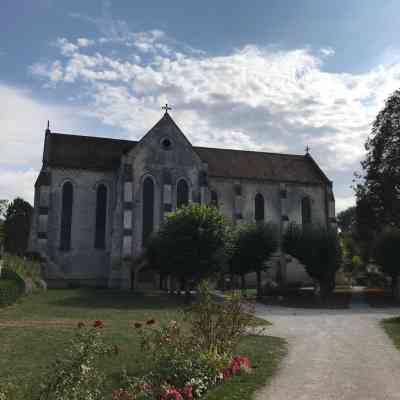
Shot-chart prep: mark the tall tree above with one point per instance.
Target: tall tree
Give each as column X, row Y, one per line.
column 190, row 244
column 253, row 245
column 3, row 208
column 378, row 195
column 17, row 226
column 346, row 219
column 318, row 248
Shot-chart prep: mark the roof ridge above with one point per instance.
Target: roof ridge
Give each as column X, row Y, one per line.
column 92, row 137
column 250, row 151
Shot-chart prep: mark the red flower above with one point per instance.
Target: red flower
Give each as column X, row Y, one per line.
column 187, row 392
column 121, row 394
column 98, row 324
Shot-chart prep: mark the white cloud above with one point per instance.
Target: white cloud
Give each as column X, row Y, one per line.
column 327, row 51
column 252, row 98
column 342, row 203
column 85, row 42
column 258, row 97
column 17, row 184
column 22, row 125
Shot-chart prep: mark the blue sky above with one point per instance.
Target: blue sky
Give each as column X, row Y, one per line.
column 261, row 75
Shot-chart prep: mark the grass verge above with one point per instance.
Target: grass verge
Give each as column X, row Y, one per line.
column 392, row 328
column 34, row 331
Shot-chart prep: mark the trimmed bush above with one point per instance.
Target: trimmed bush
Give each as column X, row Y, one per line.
column 318, row 248
column 190, row 245
column 10, row 291
column 387, row 254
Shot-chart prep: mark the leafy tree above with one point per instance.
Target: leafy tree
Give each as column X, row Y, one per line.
column 3, row 208
column 387, row 255
column 346, row 219
column 378, row 195
column 17, row 226
column 190, row 244
column 253, row 245
column 319, row 250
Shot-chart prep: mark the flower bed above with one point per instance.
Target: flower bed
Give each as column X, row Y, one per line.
column 183, row 359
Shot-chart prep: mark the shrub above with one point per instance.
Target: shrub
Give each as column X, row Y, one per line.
column 75, row 375
column 10, row 291
column 25, row 268
column 217, row 327
column 187, row 362
column 11, row 287
column 318, row 249
column 387, row 255
column 190, row 244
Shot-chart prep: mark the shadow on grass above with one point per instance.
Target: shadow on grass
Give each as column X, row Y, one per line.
column 380, row 298
column 305, row 298
column 117, row 299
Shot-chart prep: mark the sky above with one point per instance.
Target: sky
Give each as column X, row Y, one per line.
column 274, row 75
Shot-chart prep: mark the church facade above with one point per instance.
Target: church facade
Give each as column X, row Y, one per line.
column 97, row 200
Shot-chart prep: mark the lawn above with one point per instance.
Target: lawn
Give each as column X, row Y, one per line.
column 34, row 331
column 392, row 328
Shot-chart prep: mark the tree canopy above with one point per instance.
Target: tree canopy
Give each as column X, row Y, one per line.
column 17, row 226
column 190, row 244
column 253, row 245
column 378, row 194
column 319, row 249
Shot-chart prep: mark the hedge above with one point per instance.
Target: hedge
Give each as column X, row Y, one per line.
column 11, row 287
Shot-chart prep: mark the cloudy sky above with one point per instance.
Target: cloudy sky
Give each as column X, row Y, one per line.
column 272, row 75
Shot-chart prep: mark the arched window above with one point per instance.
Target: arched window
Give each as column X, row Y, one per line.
column 66, row 216
column 148, row 209
column 182, row 194
column 214, row 198
column 259, row 207
column 101, row 217
column 305, row 211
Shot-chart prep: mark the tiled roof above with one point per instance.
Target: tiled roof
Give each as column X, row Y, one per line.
column 242, row 164
column 95, row 153
column 85, row 152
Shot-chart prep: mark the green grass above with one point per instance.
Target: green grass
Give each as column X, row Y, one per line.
column 392, row 328
column 35, row 330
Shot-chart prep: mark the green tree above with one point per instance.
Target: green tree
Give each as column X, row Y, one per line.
column 387, row 256
column 17, row 226
column 253, row 245
column 190, row 244
column 378, row 194
column 346, row 219
column 3, row 207
column 319, row 249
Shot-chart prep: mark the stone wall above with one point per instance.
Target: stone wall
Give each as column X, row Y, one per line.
column 82, row 264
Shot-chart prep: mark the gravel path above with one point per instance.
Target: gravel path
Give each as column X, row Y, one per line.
column 333, row 354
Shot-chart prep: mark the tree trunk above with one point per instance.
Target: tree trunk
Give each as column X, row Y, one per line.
column 259, row 289
column 395, row 288
column 243, row 283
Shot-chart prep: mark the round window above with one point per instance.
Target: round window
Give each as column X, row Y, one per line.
column 166, row 144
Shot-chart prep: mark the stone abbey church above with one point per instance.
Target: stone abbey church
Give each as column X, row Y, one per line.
column 97, row 200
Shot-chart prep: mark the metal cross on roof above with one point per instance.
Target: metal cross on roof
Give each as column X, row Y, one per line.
column 307, row 149
column 166, row 108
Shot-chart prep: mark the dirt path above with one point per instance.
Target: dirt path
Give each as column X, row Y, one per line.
column 333, row 354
